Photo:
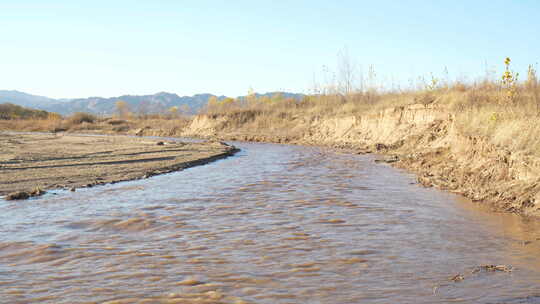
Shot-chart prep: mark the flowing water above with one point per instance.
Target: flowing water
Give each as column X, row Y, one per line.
column 273, row 224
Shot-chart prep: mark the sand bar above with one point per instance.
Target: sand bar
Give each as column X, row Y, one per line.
column 50, row 161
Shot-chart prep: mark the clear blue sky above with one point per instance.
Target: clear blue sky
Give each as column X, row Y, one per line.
column 108, row 48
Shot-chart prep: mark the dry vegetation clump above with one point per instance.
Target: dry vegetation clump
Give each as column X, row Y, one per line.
column 78, row 121
column 81, row 117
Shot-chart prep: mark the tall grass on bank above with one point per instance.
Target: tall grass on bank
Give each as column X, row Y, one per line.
column 505, row 111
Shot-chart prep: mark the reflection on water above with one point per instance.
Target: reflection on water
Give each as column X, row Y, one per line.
column 274, row 224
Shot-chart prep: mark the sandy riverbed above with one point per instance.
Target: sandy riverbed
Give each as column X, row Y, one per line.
column 52, row 161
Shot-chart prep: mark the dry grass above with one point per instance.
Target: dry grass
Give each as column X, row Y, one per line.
column 485, row 109
column 88, row 123
column 29, row 125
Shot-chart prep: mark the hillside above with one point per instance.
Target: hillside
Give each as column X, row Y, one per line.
column 27, row 100
column 10, row 111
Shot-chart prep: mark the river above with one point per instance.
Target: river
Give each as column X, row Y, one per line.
column 273, row 224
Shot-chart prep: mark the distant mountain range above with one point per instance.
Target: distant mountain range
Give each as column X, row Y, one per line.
column 155, row 103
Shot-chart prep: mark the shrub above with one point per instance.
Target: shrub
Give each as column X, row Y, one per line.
column 80, row 117
column 115, row 122
column 10, row 111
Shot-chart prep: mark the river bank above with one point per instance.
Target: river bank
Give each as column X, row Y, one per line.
column 32, row 163
column 486, row 153
column 427, row 140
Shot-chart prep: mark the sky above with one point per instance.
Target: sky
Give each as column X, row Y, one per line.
column 68, row 49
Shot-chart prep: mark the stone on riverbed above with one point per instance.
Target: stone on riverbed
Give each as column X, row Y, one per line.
column 388, row 159
column 22, row 195
column 19, row 195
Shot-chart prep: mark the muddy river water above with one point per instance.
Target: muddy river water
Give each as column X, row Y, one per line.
column 273, row 224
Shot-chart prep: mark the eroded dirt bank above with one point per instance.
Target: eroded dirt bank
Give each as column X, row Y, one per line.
column 30, row 161
column 426, row 140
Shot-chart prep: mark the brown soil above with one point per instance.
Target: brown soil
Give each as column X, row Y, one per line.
column 45, row 161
